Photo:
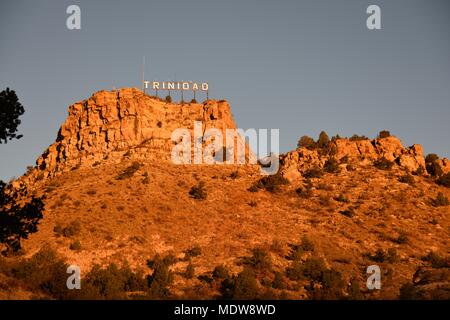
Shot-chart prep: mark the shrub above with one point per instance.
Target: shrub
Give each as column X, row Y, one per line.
column 314, row 172
column 356, row 137
column 271, row 183
column 444, row 180
column 431, row 157
column 379, row 256
column 130, row 171
column 73, row 229
column 350, row 167
column 190, row 271
column 409, row 292
column 406, row 178
column 354, row 291
column 436, row 260
column 220, row 272
column 440, row 200
column 260, row 259
column 58, row 230
column 384, row 134
column 432, row 166
column 402, row 238
column 111, row 282
column 193, row 101
column 245, row 285
column 312, row 269
column 383, row 164
column 307, row 244
column 279, row 281
column 168, row 99
column 234, row 174
column 306, row 142
column 341, row 198
column 45, row 272
column 198, row 191
column 304, row 192
column 350, row 212
column 75, row 245
column 323, row 140
column 193, row 252
column 382, row 256
column 331, row 165
column 161, row 277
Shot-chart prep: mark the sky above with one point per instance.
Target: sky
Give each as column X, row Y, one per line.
column 299, row 66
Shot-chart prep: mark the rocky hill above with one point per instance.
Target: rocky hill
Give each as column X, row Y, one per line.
column 112, row 195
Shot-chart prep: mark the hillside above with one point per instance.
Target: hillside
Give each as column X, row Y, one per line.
column 112, row 195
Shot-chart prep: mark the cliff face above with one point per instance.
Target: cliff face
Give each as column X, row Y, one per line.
column 110, row 124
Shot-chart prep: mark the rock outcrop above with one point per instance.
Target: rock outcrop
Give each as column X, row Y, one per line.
column 126, row 122
column 364, row 151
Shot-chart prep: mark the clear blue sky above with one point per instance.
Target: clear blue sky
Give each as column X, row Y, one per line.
column 300, row 66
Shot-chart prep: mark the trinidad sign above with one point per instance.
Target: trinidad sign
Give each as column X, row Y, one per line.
column 177, row 85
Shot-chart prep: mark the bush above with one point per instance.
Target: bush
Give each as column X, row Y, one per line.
column 307, row 244
column 304, row 192
column 311, row 269
column 220, row 272
column 356, row 137
column 431, row 157
column 306, row 142
column 73, row 229
column 279, row 281
column 193, row 101
column 198, row 191
column 436, row 260
column 350, row 212
column 323, row 140
column 270, row 183
column 331, row 165
column 168, row 99
column 111, row 282
column 341, row 198
column 193, row 252
column 45, row 272
column 384, row 134
column 383, row 164
column 190, row 271
column 432, row 166
column 440, row 200
column 314, row 172
column 402, row 238
column 161, row 278
column 384, row 256
column 245, row 285
column 407, row 178
column 75, row 245
column 444, row 180
column 409, row 292
column 130, row 171
column 260, row 259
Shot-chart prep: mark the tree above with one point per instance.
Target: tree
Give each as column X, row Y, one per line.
column 17, row 221
column 323, row 140
column 306, row 142
column 10, row 111
column 384, row 134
